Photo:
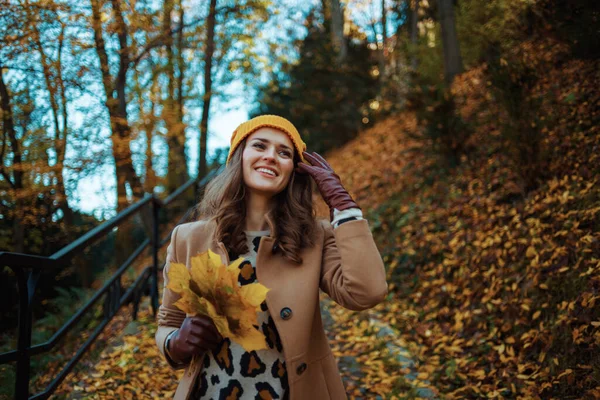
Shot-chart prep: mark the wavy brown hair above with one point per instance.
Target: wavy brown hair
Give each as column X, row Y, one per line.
column 293, row 213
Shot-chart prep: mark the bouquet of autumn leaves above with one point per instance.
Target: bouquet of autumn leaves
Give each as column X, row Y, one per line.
column 210, row 288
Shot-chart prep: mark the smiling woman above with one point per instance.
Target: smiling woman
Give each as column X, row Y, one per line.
column 260, row 209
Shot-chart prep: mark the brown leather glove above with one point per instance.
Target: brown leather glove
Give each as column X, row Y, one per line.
column 195, row 336
column 328, row 182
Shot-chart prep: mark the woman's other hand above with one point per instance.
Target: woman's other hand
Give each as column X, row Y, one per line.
column 328, row 182
column 195, row 336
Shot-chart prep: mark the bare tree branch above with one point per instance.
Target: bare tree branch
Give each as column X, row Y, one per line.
column 160, row 40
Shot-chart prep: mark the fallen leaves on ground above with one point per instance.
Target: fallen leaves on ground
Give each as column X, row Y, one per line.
column 129, row 366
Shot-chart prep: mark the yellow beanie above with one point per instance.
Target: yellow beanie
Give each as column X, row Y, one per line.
column 272, row 121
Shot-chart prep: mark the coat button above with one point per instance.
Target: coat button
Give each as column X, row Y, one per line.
column 286, row 313
column 301, row 368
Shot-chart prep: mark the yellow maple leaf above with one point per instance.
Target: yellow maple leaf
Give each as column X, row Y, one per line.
column 211, row 288
column 179, row 277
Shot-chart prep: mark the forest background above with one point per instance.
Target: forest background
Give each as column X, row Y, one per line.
column 468, row 129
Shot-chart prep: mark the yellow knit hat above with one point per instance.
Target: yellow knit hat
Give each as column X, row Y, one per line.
column 272, row 121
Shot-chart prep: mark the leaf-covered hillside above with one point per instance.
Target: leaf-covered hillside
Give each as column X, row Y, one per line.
column 494, row 290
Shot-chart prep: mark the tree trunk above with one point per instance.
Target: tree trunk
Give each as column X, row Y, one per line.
column 8, row 131
column 337, row 31
column 121, row 135
column 384, row 43
column 180, row 66
column 148, row 124
column 326, row 7
column 55, row 87
column 177, row 173
column 118, row 113
column 414, row 32
column 60, row 143
column 452, row 59
column 116, row 104
column 208, row 59
column 180, row 96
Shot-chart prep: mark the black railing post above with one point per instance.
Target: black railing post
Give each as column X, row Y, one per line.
column 24, row 338
column 155, row 249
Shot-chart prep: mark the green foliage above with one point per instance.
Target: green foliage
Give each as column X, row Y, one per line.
column 325, row 101
column 482, row 24
column 512, row 81
column 59, row 309
column 431, row 99
column 95, row 259
column 430, row 56
column 443, row 127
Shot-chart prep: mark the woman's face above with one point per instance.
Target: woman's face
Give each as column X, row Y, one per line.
column 267, row 161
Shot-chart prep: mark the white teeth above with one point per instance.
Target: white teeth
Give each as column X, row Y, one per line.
column 266, row 170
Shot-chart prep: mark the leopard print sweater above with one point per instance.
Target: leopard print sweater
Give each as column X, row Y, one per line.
column 230, row 372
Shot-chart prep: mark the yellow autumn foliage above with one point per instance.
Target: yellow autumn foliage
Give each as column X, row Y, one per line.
column 210, row 288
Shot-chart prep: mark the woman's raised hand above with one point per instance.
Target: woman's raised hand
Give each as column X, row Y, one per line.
column 195, row 336
column 328, row 182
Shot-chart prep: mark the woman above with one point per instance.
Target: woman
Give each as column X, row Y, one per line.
column 260, row 208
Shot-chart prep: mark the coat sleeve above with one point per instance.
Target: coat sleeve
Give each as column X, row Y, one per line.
column 352, row 271
column 169, row 317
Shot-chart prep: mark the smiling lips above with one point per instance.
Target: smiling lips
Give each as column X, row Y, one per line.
column 267, row 171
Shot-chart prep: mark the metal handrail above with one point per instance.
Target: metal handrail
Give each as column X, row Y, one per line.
column 28, row 269
column 103, row 229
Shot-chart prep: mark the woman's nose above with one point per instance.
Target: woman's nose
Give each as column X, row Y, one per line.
column 270, row 154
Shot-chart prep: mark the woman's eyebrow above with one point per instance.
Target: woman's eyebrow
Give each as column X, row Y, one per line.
column 268, row 141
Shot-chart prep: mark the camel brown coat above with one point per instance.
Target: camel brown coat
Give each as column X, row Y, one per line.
column 344, row 263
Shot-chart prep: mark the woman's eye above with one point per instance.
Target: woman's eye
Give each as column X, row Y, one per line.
column 286, row 153
column 259, row 145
